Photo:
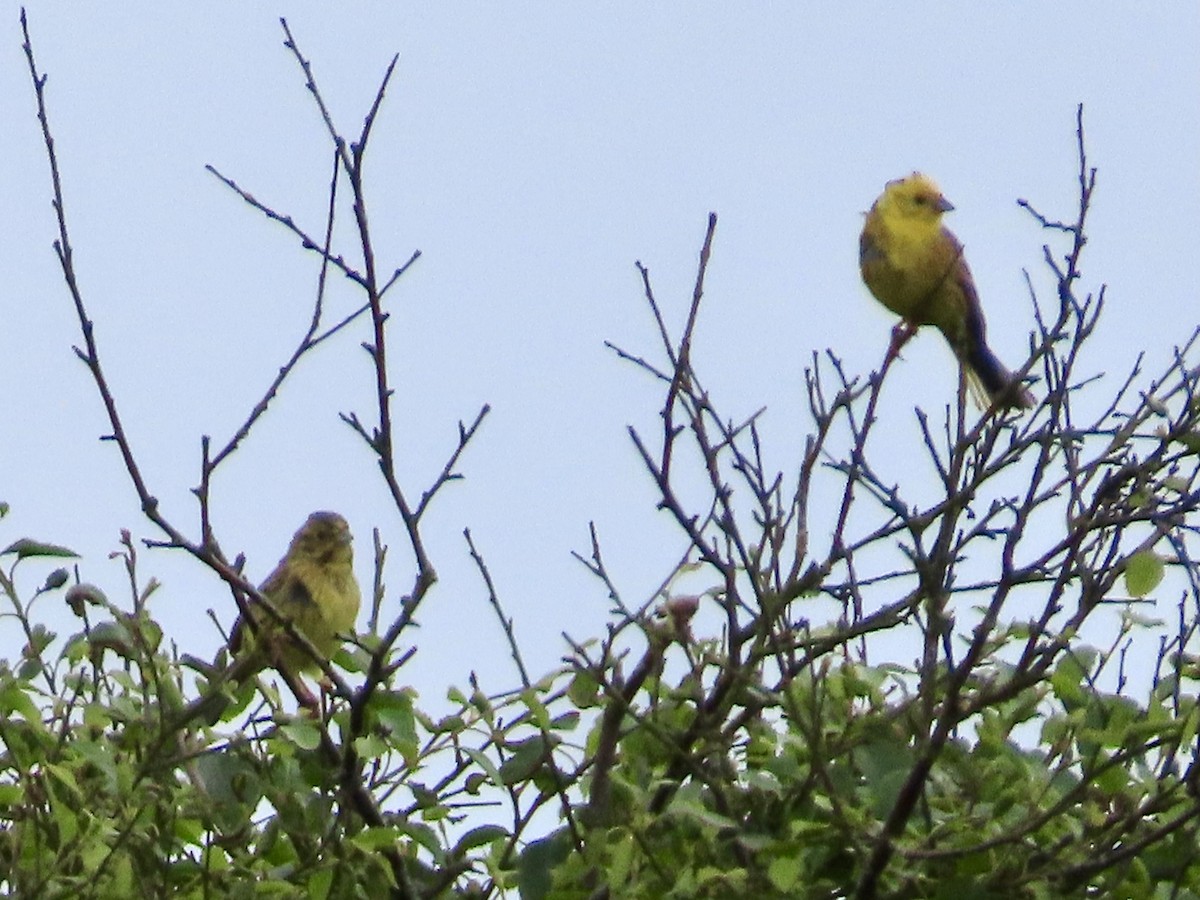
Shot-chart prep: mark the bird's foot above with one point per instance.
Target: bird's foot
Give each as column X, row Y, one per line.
column 901, row 335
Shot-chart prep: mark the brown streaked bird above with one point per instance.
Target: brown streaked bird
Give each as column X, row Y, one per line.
column 314, row 587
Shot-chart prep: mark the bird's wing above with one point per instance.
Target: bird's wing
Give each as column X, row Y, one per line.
column 869, row 249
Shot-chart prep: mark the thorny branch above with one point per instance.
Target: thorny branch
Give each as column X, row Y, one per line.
column 1123, row 483
column 349, row 163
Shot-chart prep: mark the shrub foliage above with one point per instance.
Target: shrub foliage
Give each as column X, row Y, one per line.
column 925, row 661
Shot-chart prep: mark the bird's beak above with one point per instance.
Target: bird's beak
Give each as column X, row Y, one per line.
column 944, row 205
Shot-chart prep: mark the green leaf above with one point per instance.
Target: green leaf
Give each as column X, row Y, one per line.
column 1143, row 572
column 377, row 838
column 233, row 785
column 424, row 836
column 1066, row 682
column 15, row 700
column 477, row 837
column 304, row 735
column 692, row 808
column 101, row 758
column 527, row 756
column 566, row 722
column 583, row 689
column 65, row 777
column 150, row 631
column 320, row 882
column 370, row 746
column 784, row 873
column 537, row 709
column 538, row 861
column 80, row 596
column 112, row 636
column 394, row 712
column 27, row 547
column 481, row 759
column 885, row 764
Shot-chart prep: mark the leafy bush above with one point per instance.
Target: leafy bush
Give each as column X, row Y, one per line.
column 880, row 692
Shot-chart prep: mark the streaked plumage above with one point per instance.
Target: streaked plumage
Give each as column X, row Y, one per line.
column 914, row 266
column 314, row 586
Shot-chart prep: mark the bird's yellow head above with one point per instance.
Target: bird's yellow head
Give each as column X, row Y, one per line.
column 915, row 198
column 324, row 538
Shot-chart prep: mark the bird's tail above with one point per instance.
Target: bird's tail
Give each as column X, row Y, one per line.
column 988, row 377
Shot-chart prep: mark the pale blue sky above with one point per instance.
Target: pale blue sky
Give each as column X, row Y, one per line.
column 533, row 152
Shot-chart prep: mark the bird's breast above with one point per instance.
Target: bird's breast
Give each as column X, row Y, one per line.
column 904, row 277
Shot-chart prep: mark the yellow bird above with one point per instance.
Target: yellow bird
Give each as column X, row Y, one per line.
column 314, row 587
column 915, row 267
